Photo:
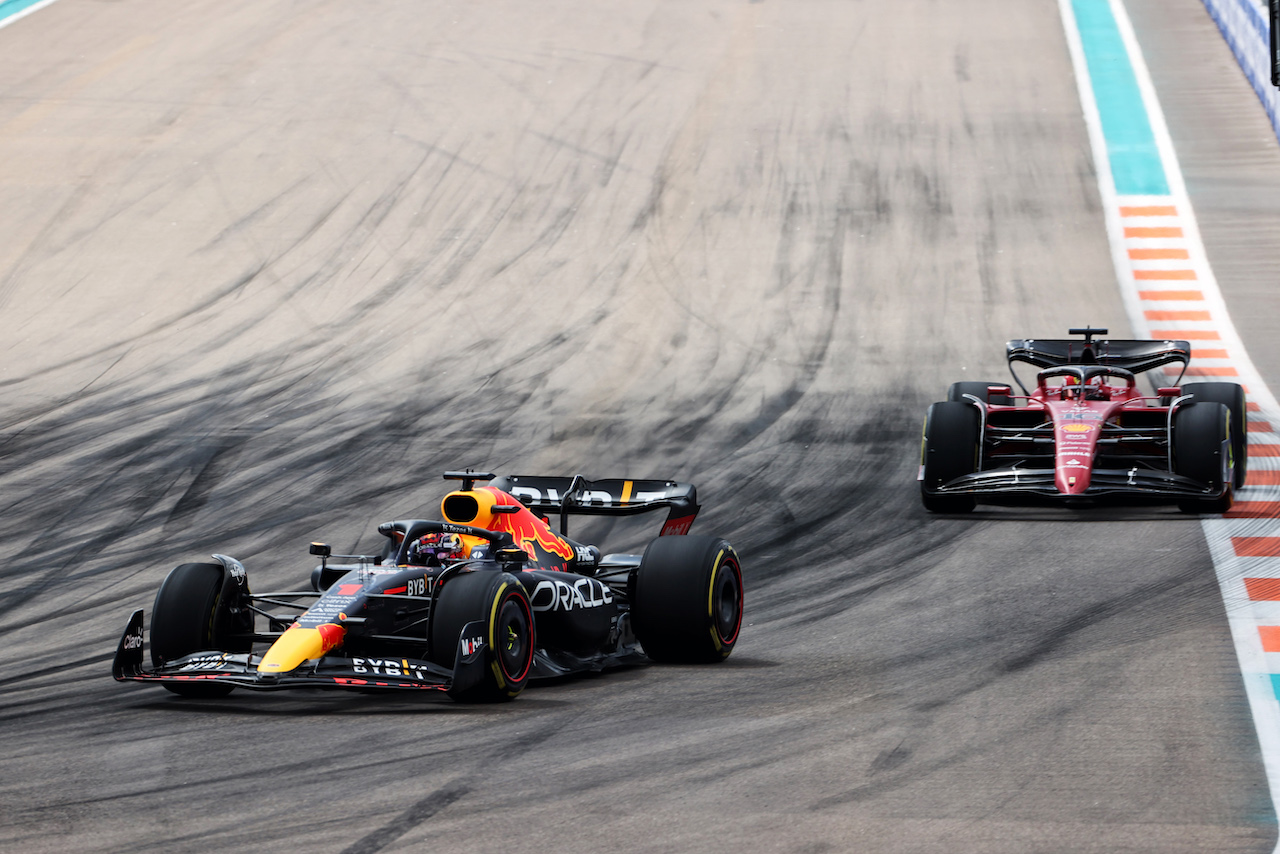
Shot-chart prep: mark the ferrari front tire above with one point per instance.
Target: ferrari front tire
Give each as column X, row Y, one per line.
column 1230, row 395
column 948, row 450
column 1201, row 436
column 499, row 600
column 687, row 601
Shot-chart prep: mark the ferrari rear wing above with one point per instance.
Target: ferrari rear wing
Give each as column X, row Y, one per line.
column 611, row 497
column 1134, row 356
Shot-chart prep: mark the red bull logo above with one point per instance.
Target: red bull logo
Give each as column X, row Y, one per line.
column 527, row 530
column 677, row 527
column 331, row 635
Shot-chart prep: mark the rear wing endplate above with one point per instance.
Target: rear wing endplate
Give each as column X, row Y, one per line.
column 611, row 497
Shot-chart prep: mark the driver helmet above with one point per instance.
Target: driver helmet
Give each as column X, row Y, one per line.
column 433, row 549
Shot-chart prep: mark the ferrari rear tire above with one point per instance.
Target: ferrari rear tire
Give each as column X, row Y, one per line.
column 949, row 449
column 500, row 601
column 957, row 392
column 1230, row 395
column 687, row 599
column 1201, row 432
column 188, row 616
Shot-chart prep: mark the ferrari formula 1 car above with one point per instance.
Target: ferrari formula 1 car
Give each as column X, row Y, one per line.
column 1086, row 434
column 473, row 605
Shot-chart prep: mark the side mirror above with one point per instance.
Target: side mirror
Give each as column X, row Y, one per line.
column 1169, row 391
column 321, row 550
column 511, row 554
column 994, row 390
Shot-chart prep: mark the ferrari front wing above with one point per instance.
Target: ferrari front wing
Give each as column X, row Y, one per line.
column 1104, row 482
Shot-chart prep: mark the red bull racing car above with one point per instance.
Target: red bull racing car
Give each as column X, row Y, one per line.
column 473, row 605
column 1085, row 433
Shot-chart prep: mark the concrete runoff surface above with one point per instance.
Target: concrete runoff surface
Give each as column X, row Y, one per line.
column 270, row 268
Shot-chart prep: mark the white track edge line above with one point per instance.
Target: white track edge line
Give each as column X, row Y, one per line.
column 1241, row 620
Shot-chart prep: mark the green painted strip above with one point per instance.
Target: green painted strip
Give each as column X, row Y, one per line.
column 1131, row 146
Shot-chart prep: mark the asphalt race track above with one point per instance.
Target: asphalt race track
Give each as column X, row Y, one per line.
column 269, row 268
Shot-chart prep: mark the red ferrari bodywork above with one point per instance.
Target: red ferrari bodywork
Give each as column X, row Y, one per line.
column 1086, row 432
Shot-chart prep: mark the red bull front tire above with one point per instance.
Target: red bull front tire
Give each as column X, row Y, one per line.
column 500, row 603
column 687, row 607
column 191, row 614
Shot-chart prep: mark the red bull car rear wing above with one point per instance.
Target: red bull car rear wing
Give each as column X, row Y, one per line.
column 610, row 497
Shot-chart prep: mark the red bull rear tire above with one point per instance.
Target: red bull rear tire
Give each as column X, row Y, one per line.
column 688, row 600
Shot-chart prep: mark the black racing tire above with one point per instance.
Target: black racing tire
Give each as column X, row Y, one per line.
column 687, row 600
column 191, row 615
column 500, row 600
column 1200, row 430
column 956, row 393
column 949, row 449
column 1232, row 396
